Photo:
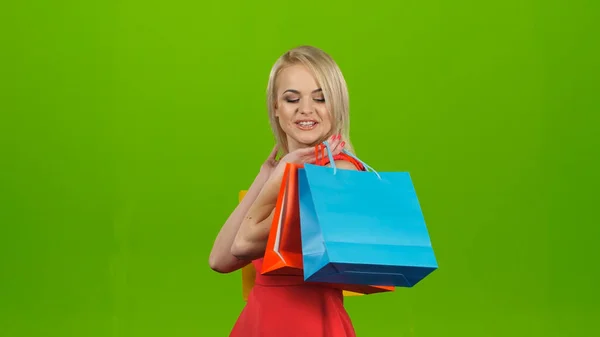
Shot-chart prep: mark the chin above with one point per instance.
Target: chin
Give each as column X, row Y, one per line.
column 307, row 140
column 310, row 141
column 306, row 136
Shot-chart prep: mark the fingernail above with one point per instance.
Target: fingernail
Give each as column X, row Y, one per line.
column 342, row 144
column 338, row 137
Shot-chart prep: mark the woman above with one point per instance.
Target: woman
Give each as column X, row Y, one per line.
column 307, row 102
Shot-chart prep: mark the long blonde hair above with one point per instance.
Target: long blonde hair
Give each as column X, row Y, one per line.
column 330, row 79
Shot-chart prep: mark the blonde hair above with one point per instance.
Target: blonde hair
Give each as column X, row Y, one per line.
column 329, row 77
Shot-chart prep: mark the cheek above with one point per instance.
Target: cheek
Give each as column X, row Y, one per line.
column 325, row 116
column 286, row 114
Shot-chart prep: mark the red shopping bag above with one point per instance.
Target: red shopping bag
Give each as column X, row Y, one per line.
column 283, row 255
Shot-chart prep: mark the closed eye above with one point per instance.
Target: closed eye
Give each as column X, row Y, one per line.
column 289, row 100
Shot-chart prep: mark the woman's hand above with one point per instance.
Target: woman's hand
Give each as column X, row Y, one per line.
column 270, row 164
column 299, row 156
column 336, row 145
column 308, row 155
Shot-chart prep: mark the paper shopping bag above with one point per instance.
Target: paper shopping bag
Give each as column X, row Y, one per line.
column 283, row 254
column 362, row 227
column 248, row 276
column 248, row 271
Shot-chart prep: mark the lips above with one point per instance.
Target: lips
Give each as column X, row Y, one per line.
column 306, row 124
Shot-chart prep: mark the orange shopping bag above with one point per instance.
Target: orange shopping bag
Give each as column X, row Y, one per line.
column 283, row 255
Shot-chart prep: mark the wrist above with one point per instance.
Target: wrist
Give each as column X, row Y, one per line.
column 260, row 180
column 277, row 172
column 273, row 182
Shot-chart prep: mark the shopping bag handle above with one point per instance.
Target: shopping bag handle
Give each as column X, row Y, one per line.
column 332, row 161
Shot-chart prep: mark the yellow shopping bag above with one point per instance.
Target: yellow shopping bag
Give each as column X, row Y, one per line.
column 249, row 273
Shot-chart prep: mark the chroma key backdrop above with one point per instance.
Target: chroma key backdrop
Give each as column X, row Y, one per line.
column 129, row 127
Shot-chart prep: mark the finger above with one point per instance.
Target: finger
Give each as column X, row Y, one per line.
column 311, row 157
column 306, row 154
column 340, row 146
column 331, row 142
column 274, row 152
column 334, row 143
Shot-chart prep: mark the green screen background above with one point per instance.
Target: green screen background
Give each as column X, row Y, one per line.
column 128, row 128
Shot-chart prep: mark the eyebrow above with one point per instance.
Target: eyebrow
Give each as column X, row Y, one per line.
column 297, row 92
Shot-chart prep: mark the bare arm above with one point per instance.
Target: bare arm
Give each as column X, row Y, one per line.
column 251, row 239
column 221, row 259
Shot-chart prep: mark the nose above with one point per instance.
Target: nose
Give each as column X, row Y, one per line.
column 306, row 107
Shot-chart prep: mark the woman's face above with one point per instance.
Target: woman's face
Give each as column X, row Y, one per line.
column 301, row 108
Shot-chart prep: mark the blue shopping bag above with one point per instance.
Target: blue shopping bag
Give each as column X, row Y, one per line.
column 362, row 227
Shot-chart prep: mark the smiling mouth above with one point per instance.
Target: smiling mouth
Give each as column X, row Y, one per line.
column 306, row 125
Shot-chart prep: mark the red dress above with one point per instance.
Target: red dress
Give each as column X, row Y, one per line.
column 286, row 306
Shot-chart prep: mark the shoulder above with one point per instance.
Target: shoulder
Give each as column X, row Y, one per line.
column 345, row 165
